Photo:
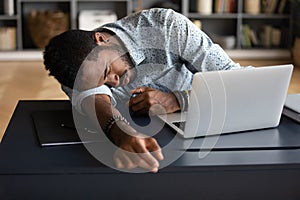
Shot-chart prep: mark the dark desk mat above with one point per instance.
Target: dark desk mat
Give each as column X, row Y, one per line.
column 285, row 136
column 56, row 127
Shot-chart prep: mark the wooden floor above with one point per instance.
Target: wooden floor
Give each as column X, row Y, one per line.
column 24, row 80
column 29, row 80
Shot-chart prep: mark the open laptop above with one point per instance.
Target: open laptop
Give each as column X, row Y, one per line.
column 233, row 101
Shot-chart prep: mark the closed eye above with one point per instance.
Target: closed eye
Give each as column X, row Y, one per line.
column 106, row 71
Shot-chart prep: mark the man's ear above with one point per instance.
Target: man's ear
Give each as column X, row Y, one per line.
column 100, row 38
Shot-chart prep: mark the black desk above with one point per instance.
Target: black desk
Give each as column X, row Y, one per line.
column 270, row 171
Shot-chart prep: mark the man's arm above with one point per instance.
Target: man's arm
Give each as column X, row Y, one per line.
column 124, row 136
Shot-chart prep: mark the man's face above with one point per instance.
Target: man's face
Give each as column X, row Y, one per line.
column 118, row 70
column 107, row 66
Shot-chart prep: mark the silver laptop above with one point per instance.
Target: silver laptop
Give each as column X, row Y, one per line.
column 233, row 101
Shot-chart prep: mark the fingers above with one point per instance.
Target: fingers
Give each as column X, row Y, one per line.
column 118, row 161
column 149, row 159
column 136, row 100
column 155, row 148
column 142, row 94
column 157, row 109
column 139, row 155
column 129, row 160
column 140, row 90
column 153, row 101
column 124, row 160
column 152, row 108
column 144, row 102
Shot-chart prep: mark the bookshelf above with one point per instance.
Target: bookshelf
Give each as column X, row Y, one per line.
column 222, row 24
column 239, row 23
column 8, row 24
column 22, row 9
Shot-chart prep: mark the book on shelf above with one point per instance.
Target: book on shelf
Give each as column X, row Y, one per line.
column 224, row 6
column 274, row 6
column 7, row 38
column 249, row 37
column 276, row 37
column 204, row 7
column 252, row 6
column 246, row 40
column 281, row 6
column 253, row 37
column 9, row 7
column 269, row 6
column 268, row 37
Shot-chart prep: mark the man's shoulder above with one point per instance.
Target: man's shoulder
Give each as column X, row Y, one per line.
column 157, row 11
column 150, row 13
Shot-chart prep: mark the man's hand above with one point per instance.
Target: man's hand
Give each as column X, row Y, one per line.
column 134, row 148
column 135, row 151
column 153, row 101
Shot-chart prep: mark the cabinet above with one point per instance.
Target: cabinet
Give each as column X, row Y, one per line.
column 220, row 25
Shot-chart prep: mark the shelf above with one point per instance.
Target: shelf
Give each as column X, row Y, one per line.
column 251, row 54
column 86, row 1
column 35, row 55
column 8, row 17
column 213, row 16
column 238, row 15
column 220, row 24
column 265, row 16
column 44, row 1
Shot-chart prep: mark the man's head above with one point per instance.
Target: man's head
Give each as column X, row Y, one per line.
column 97, row 57
column 106, row 64
column 65, row 53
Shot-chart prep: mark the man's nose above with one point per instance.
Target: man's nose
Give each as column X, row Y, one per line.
column 113, row 80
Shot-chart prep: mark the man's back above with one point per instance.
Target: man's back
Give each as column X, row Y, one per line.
column 166, row 48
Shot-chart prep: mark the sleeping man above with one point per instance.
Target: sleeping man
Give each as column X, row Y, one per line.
column 152, row 54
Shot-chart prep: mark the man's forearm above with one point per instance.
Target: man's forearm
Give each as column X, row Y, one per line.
column 135, row 147
column 99, row 109
column 107, row 116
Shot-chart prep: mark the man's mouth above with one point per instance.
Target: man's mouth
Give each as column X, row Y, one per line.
column 126, row 80
column 123, row 79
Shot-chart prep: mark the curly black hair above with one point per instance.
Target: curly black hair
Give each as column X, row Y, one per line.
column 65, row 53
